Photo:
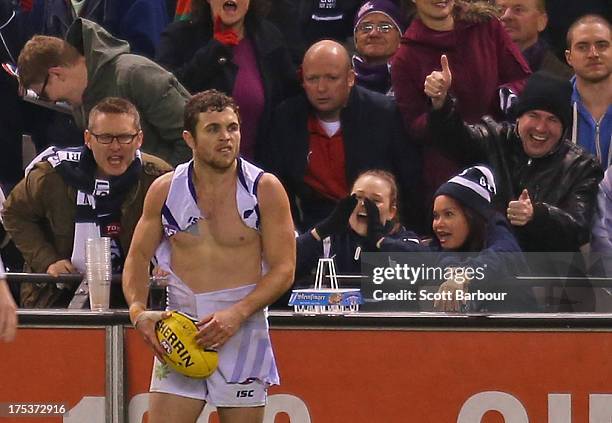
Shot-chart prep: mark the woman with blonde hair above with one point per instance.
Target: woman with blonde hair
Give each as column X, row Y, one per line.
column 344, row 233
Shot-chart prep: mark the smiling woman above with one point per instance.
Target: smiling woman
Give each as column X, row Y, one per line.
column 229, row 46
column 469, row 234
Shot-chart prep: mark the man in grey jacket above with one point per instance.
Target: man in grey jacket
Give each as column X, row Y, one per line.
column 89, row 65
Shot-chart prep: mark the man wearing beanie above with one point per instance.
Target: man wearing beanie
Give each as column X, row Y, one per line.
column 377, row 31
column 546, row 185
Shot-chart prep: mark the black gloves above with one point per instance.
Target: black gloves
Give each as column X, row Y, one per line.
column 337, row 221
column 376, row 230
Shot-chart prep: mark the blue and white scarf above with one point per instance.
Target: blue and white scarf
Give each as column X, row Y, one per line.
column 98, row 201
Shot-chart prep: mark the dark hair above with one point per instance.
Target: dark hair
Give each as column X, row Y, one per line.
column 407, row 10
column 40, row 54
column 209, row 100
column 477, row 235
column 586, row 19
column 115, row 105
column 202, row 13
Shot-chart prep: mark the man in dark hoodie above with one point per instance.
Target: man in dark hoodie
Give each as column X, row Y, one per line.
column 89, row 65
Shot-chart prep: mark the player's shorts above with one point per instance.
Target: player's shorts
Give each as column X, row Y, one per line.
column 214, row 390
column 246, row 361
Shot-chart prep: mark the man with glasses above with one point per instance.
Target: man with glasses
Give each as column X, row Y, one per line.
column 89, row 65
column 70, row 194
column 377, row 32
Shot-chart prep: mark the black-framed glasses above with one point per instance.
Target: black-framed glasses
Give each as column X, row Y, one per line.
column 42, row 95
column 109, row 138
column 366, row 28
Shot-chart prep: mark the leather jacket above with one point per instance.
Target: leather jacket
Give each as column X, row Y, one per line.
column 562, row 185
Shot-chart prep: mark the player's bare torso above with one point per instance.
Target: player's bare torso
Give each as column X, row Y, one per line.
column 223, row 252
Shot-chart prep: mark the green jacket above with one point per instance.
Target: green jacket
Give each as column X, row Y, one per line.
column 39, row 215
column 113, row 72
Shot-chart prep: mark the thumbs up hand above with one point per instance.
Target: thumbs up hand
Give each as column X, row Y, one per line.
column 520, row 212
column 438, row 83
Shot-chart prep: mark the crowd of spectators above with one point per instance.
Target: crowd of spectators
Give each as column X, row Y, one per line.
column 365, row 110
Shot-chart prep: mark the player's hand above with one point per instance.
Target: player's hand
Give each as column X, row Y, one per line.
column 520, row 212
column 144, row 321
column 217, row 328
column 438, row 83
column 61, row 266
column 226, row 36
column 450, row 302
column 8, row 314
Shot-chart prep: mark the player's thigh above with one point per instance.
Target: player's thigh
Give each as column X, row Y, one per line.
column 164, row 408
column 241, row 414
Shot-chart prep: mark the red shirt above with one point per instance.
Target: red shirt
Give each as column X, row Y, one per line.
column 325, row 171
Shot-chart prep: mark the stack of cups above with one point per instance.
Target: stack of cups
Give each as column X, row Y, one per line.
column 98, row 272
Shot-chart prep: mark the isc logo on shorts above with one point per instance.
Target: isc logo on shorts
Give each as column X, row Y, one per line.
column 245, row 394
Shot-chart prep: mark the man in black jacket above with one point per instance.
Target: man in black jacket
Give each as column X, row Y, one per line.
column 547, row 185
column 321, row 140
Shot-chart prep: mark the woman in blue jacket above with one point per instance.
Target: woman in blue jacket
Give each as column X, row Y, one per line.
column 469, row 234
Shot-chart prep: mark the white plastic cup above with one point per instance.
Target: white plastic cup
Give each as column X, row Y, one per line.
column 98, row 272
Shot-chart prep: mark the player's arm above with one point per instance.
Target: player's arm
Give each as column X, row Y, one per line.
column 135, row 278
column 8, row 309
column 8, row 313
column 278, row 241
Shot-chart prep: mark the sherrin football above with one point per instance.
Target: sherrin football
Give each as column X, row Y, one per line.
column 176, row 334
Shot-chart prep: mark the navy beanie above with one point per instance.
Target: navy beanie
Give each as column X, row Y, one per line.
column 474, row 187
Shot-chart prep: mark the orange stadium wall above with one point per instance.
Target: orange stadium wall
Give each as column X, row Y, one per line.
column 346, row 376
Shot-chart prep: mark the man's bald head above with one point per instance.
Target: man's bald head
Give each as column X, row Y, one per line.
column 328, row 78
column 328, row 49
